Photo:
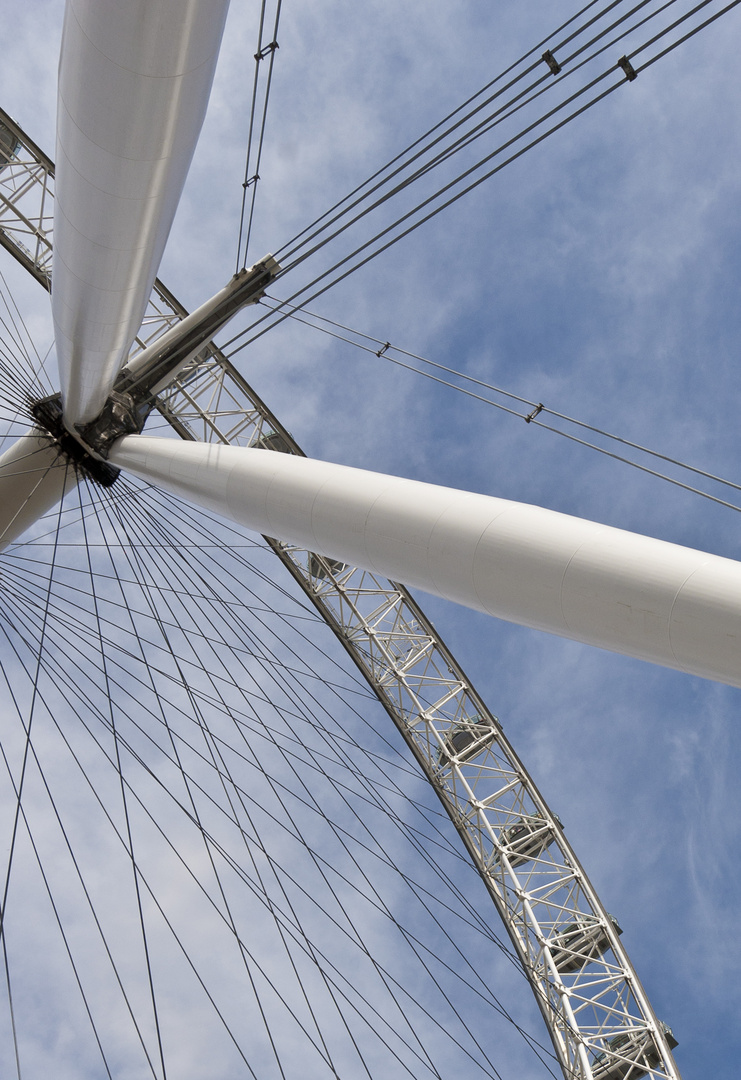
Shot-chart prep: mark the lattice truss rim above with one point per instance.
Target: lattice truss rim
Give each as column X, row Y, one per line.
column 551, row 911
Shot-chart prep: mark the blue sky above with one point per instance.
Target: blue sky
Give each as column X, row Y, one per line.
column 597, row 275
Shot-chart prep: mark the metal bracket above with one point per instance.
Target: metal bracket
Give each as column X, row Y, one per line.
column 551, row 61
column 628, row 68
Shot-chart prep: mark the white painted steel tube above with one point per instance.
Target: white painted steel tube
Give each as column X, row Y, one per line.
column 603, row 586
column 33, row 479
column 134, row 81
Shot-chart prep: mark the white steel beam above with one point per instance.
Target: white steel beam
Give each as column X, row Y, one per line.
column 33, row 479
column 628, row 593
column 134, row 81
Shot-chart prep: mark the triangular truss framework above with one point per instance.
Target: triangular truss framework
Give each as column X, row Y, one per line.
column 600, row 1021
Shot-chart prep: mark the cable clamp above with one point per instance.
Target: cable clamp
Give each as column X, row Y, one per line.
column 630, row 71
column 266, row 51
column 252, row 180
column 383, row 348
column 551, row 61
column 533, row 414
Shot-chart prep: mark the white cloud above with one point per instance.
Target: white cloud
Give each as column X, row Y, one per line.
column 598, row 274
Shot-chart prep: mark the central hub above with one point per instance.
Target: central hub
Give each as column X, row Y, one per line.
column 47, row 412
column 134, row 394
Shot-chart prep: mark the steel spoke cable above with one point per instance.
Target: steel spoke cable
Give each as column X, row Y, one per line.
column 223, row 772
column 33, row 675
column 64, row 936
column 42, row 472
column 409, row 938
column 6, row 964
column 15, row 379
column 14, row 391
column 127, row 820
column 52, row 901
column 144, row 881
column 344, row 701
column 77, row 868
column 249, row 650
column 67, row 516
column 16, row 326
column 18, row 333
column 72, row 625
column 123, row 842
column 225, row 585
column 226, row 596
column 385, row 760
column 341, row 906
column 27, row 744
column 64, row 675
column 14, row 371
column 200, row 721
column 11, row 1008
column 31, row 470
column 273, row 659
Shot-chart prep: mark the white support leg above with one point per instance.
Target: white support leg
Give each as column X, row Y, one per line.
column 624, row 592
column 33, row 479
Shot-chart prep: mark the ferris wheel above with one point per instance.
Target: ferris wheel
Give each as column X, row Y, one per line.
column 156, row 650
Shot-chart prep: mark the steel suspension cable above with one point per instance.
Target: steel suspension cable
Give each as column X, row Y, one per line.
column 252, row 181
column 530, row 414
column 288, row 249
column 542, row 84
column 257, row 329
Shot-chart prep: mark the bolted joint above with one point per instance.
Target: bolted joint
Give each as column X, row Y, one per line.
column 121, row 415
column 134, row 394
column 156, row 366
